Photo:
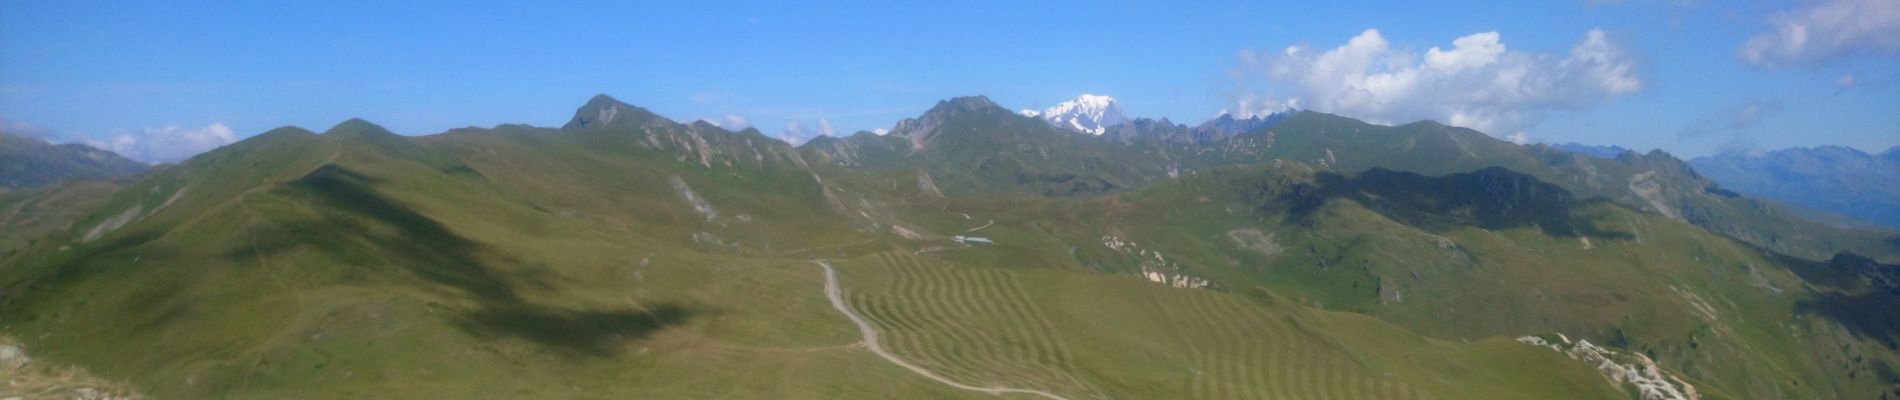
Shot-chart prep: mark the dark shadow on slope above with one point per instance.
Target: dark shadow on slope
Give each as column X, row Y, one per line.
column 1885, row 373
column 1490, row 198
column 1843, row 272
column 1874, row 314
column 1859, row 293
column 429, row 250
column 423, row 246
column 32, row 283
column 587, row 331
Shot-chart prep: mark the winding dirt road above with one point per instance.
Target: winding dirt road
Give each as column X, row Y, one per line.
column 870, row 342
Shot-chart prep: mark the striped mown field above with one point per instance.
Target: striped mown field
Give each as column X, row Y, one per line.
column 1091, row 336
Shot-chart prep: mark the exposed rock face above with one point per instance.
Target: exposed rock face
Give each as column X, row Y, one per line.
column 1226, row 126
column 20, row 374
column 926, row 185
column 693, row 199
column 1214, row 130
column 699, row 143
column 924, row 129
column 861, row 149
column 1633, row 369
column 1154, row 266
column 1254, row 240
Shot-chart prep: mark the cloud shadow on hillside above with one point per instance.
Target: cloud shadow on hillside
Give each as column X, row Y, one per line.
column 1861, row 294
column 1491, row 198
column 430, row 251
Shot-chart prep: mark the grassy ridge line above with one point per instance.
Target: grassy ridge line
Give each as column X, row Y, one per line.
column 833, row 292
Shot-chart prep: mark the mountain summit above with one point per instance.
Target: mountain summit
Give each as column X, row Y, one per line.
column 604, row 110
column 1088, row 113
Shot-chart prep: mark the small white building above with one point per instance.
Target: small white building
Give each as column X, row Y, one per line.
column 972, row 239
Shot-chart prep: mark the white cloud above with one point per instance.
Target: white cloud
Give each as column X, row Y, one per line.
column 1473, row 51
column 168, row 144
column 880, row 131
column 1519, row 137
column 731, row 122
column 1478, row 83
column 1823, row 30
column 797, row 133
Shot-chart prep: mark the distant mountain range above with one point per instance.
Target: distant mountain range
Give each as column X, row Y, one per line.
column 1214, row 130
column 30, row 163
column 1101, row 116
column 1609, row 152
column 1836, row 179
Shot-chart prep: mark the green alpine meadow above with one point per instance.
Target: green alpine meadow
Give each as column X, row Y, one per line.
column 628, row 255
column 1394, row 200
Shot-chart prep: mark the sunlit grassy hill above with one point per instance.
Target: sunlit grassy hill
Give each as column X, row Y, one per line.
column 628, row 255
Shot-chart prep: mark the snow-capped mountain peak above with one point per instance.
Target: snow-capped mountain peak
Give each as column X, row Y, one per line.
column 1088, row 113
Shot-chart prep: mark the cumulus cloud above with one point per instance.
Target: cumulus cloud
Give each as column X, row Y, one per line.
column 168, row 144
column 880, row 131
column 1823, row 30
column 1477, row 83
column 731, row 122
column 1519, row 137
column 798, row 133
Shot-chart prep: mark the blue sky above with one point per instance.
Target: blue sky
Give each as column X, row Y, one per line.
column 163, row 80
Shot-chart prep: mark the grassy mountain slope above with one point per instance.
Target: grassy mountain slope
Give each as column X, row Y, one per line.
column 630, row 256
column 26, row 215
column 1654, row 182
column 361, row 264
column 969, row 147
column 1478, row 255
column 1084, row 335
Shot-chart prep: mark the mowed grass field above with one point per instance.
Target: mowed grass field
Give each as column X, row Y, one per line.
column 1095, row 336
